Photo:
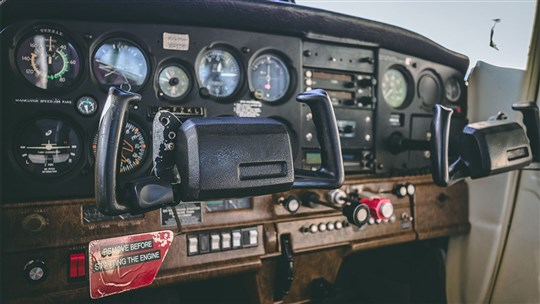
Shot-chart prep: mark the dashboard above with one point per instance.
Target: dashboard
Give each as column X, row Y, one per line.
column 55, row 77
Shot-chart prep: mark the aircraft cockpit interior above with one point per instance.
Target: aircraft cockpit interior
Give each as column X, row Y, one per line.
column 234, row 151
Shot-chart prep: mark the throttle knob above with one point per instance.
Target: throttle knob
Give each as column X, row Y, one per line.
column 380, row 208
column 356, row 213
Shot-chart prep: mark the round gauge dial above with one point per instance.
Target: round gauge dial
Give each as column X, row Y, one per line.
column 429, row 89
column 394, row 88
column 48, row 147
column 452, row 89
column 134, row 148
column 173, row 82
column 87, row 105
column 219, row 72
column 48, row 61
column 269, row 78
column 120, row 63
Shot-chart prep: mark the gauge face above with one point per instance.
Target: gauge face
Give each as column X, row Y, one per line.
column 394, row 88
column 219, row 72
column 269, row 78
column 453, row 89
column 48, row 147
column 173, row 82
column 429, row 89
column 87, row 105
column 134, row 148
column 120, row 63
column 48, row 61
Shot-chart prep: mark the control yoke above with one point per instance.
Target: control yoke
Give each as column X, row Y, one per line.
column 211, row 158
column 485, row 148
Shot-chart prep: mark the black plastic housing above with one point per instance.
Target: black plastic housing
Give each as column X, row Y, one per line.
column 212, row 164
column 492, row 147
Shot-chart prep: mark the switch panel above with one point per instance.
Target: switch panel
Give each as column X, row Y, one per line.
column 217, row 241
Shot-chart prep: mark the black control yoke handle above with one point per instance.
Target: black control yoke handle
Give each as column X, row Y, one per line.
column 150, row 193
column 331, row 173
column 443, row 173
column 111, row 127
column 531, row 120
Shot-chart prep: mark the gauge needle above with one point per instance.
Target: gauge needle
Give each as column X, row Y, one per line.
column 387, row 93
column 50, row 43
column 127, row 146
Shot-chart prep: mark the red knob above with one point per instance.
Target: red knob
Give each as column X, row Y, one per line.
column 380, row 208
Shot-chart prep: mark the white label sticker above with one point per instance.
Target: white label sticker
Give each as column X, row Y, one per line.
column 176, row 42
column 248, row 108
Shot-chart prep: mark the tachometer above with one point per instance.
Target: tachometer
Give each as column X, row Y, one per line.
column 48, row 60
column 269, row 78
column 395, row 88
column 219, row 72
column 134, row 148
column 48, row 147
column 121, row 63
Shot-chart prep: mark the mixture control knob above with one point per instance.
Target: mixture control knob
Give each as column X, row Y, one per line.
column 35, row 271
column 380, row 208
column 291, row 204
column 34, row 223
column 356, row 213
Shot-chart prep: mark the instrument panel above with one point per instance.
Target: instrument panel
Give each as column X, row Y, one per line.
column 56, row 77
column 61, row 73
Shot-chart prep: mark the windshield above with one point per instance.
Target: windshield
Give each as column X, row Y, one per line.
column 462, row 26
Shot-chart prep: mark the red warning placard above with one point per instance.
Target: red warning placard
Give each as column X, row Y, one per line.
column 125, row 263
